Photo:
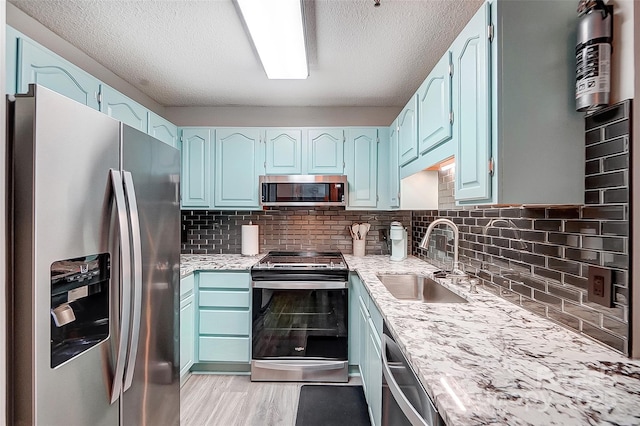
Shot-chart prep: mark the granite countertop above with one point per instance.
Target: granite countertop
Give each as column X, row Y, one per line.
column 211, row 262
column 492, row 362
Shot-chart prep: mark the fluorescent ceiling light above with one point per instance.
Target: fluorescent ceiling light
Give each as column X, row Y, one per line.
column 276, row 27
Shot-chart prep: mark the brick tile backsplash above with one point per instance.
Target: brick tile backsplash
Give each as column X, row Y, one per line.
column 289, row 228
column 539, row 257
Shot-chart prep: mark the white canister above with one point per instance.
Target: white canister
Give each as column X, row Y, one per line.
column 358, row 247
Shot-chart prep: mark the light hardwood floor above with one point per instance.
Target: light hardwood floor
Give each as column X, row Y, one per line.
column 216, row 400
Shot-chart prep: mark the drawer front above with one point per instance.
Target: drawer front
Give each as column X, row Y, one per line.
column 229, row 349
column 225, row 322
column 225, row 298
column 376, row 317
column 186, row 286
column 241, row 280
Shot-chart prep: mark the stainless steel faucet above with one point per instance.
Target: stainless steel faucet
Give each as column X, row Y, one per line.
column 456, row 236
column 510, row 225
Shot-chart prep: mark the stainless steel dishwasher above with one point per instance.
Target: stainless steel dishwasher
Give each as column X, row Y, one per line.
column 404, row 400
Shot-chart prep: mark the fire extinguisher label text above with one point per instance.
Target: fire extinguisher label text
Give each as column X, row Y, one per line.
column 593, row 65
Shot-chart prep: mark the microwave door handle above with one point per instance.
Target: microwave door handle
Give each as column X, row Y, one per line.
column 125, row 279
column 134, row 220
column 409, row 411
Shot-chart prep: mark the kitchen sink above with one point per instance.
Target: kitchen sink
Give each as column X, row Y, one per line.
column 418, row 287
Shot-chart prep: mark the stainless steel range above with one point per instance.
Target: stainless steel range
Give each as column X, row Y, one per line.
column 300, row 317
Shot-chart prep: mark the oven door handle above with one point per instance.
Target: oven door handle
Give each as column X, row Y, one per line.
column 297, row 366
column 301, row 285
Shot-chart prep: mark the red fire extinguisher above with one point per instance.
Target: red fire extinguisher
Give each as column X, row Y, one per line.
column 593, row 55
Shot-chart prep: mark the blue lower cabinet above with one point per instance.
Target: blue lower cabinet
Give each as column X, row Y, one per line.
column 374, row 371
column 224, row 280
column 224, row 318
column 187, row 325
column 366, row 323
column 354, row 322
column 225, row 298
column 224, row 349
column 187, row 334
column 363, row 334
column 224, row 322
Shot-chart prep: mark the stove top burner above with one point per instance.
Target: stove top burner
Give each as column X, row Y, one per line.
column 284, row 265
column 302, row 260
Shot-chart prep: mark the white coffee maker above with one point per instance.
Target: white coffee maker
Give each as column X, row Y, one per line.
column 398, row 237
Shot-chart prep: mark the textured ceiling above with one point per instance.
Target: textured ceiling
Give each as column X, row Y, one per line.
column 196, row 53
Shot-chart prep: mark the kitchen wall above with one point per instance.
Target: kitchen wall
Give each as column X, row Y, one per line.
column 242, row 116
column 288, row 228
column 539, row 257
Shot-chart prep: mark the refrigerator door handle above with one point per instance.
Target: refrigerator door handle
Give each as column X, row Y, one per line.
column 137, row 277
column 125, row 294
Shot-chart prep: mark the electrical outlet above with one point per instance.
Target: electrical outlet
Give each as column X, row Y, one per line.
column 599, row 286
column 441, row 242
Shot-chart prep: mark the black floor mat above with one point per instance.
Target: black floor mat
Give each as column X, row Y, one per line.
column 321, row 405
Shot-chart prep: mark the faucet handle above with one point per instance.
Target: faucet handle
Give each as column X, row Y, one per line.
column 473, row 284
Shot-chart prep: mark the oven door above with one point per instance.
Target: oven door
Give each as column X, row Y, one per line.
column 299, row 331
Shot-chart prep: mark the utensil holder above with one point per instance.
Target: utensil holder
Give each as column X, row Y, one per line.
column 358, row 248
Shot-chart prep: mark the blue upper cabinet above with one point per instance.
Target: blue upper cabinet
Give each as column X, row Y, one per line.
column 361, row 158
column 239, row 160
column 163, row 130
column 324, row 152
column 434, row 106
column 394, row 171
column 36, row 64
column 120, row 107
column 472, row 108
column 283, row 151
column 196, row 167
column 408, row 132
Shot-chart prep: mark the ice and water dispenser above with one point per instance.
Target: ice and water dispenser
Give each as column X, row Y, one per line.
column 79, row 305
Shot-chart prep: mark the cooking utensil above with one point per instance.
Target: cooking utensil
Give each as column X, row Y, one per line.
column 353, row 236
column 354, row 230
column 366, row 226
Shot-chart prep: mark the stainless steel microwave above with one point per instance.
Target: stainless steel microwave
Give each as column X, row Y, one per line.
column 303, row 190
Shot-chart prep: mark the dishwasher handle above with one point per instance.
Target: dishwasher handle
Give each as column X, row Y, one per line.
column 409, row 410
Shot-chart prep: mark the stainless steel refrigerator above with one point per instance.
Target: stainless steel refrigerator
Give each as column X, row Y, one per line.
column 94, row 223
